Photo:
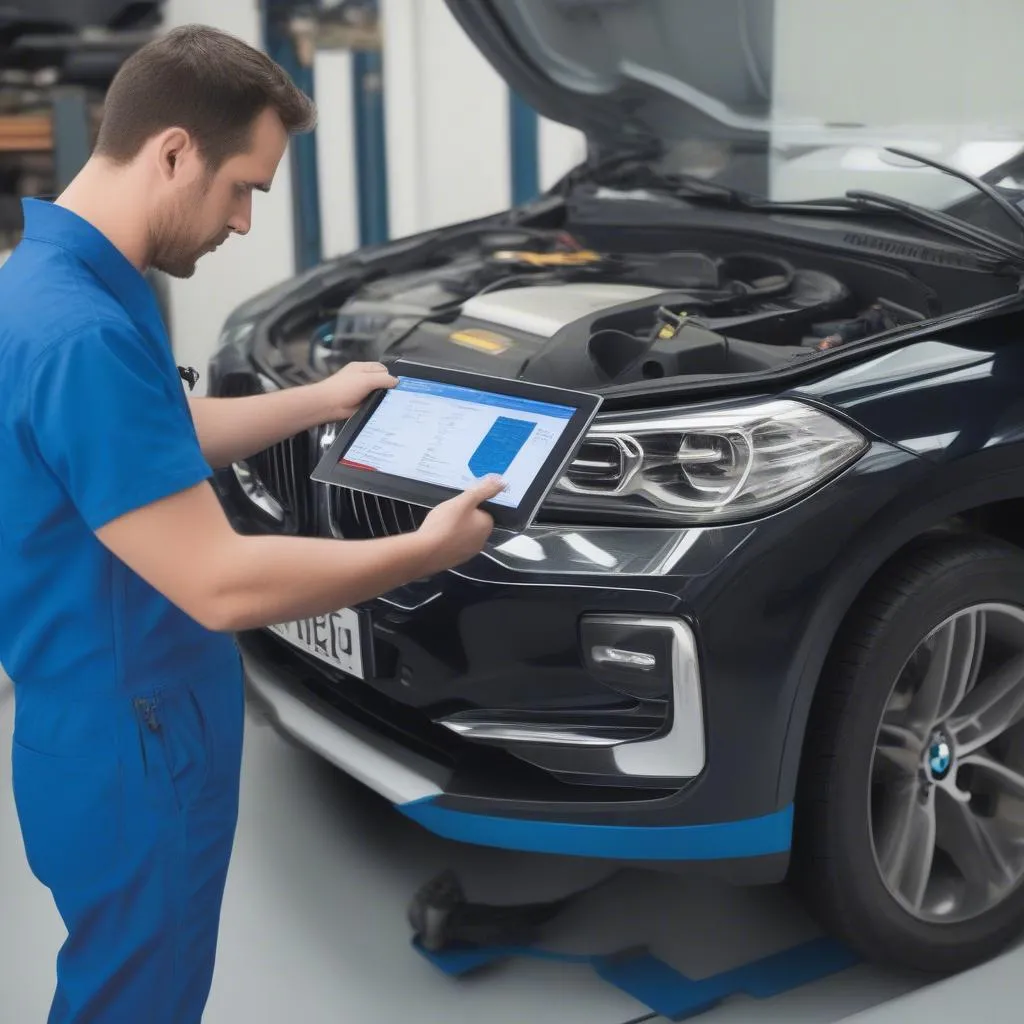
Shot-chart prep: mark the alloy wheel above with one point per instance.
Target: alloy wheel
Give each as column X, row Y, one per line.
column 947, row 774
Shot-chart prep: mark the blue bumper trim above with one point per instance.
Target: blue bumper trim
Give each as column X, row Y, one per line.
column 749, row 837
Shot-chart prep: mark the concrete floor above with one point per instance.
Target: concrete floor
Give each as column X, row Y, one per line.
column 314, row 923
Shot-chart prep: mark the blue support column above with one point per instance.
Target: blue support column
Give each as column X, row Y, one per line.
column 524, row 148
column 305, row 184
column 371, row 151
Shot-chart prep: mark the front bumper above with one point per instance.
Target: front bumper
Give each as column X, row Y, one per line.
column 493, row 643
column 417, row 785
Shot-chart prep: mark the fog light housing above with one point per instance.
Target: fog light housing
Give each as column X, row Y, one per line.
column 659, row 740
column 628, row 657
column 654, row 659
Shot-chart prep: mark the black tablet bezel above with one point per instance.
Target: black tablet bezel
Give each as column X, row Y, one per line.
column 516, row 519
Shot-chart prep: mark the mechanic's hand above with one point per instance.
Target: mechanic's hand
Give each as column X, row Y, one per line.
column 458, row 528
column 343, row 392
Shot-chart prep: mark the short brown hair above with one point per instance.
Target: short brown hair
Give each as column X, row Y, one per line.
column 203, row 80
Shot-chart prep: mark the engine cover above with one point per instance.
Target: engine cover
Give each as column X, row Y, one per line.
column 502, row 333
column 629, row 318
column 543, row 310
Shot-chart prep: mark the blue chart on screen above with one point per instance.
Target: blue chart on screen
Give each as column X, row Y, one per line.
column 500, row 445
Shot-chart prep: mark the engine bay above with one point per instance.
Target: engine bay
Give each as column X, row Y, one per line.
column 545, row 306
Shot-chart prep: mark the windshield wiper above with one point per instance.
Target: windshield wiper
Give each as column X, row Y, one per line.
column 986, row 246
column 998, row 247
column 1016, row 215
column 979, row 239
column 632, row 170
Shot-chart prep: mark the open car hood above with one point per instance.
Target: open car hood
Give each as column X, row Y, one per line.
column 628, row 70
column 770, row 96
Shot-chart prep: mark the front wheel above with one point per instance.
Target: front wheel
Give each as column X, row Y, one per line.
column 909, row 839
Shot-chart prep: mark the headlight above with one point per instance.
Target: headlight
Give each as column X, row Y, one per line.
column 710, row 466
column 236, row 334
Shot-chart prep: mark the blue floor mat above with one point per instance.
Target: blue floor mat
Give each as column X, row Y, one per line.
column 659, row 986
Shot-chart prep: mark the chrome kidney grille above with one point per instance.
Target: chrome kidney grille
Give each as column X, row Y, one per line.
column 355, row 515
column 282, row 469
column 314, row 509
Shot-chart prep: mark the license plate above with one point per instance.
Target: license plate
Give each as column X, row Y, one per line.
column 335, row 639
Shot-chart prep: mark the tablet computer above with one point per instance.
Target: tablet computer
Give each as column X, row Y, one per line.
column 439, row 431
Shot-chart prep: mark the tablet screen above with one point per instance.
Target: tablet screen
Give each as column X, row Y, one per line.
column 452, row 436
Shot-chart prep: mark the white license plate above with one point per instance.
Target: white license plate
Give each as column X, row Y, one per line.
column 334, row 639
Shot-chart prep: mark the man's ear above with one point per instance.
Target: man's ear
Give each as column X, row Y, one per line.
column 173, row 146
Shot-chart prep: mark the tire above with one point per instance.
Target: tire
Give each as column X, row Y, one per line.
column 835, row 864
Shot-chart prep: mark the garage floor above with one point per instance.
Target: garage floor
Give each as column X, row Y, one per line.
column 314, row 926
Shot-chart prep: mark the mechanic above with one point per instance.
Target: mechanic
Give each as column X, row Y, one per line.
column 121, row 580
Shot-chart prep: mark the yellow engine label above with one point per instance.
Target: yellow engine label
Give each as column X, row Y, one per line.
column 482, row 341
column 548, row 259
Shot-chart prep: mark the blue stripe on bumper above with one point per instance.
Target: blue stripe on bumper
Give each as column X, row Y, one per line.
column 749, row 837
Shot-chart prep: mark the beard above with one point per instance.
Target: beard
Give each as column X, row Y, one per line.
column 175, row 247
column 176, row 260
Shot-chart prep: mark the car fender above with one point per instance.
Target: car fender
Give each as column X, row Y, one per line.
column 950, row 490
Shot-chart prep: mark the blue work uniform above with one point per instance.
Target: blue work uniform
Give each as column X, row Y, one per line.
column 128, row 713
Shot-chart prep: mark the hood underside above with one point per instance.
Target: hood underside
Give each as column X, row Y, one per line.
column 590, row 62
column 783, row 98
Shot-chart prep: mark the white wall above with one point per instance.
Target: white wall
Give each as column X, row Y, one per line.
column 244, row 266
column 560, row 149
column 447, row 121
column 335, row 152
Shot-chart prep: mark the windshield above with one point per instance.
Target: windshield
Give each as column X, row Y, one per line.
column 797, row 100
column 943, row 78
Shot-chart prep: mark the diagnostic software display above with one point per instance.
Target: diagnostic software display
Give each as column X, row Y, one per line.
column 428, row 437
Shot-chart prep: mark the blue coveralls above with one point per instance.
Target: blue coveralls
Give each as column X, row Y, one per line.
column 128, row 714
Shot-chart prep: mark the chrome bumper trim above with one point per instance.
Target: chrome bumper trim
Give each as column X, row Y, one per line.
column 521, row 732
column 387, row 768
column 678, row 753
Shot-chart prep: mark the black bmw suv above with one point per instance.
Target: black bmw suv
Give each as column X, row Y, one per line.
column 770, row 624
